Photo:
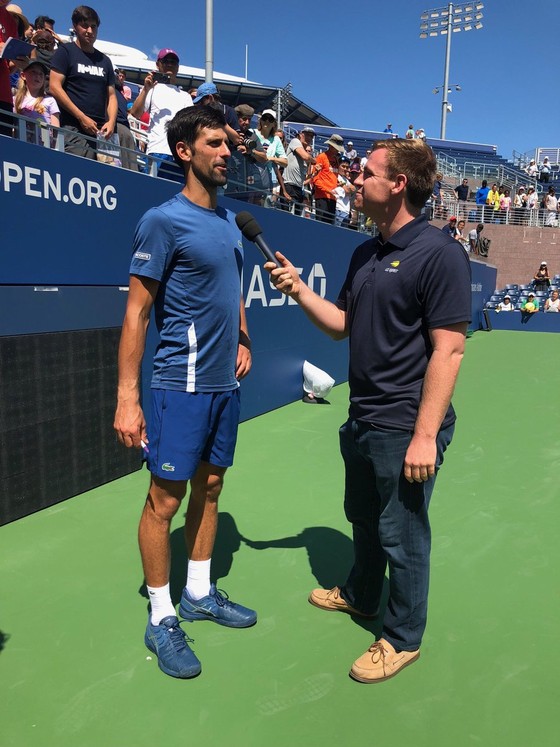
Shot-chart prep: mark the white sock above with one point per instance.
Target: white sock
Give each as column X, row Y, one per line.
column 160, row 603
column 198, row 578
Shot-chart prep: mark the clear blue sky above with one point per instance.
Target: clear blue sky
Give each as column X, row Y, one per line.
column 366, row 65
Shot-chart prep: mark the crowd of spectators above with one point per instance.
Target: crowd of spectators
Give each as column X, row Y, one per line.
column 540, row 294
column 97, row 111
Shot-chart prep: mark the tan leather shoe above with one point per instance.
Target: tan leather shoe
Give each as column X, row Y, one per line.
column 330, row 600
column 380, row 662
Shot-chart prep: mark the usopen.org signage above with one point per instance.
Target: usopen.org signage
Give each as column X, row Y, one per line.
column 69, row 221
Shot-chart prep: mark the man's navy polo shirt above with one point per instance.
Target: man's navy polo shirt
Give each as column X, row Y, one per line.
column 393, row 294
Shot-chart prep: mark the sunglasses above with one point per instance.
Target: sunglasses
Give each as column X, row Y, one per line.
column 267, row 118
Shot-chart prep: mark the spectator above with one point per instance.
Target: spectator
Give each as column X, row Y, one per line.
column 128, row 156
column 505, row 205
column 541, row 278
column 299, row 160
column 8, row 28
column 462, row 192
column 545, row 171
column 531, row 305
column 519, row 206
column 451, row 227
column 120, row 84
column 460, row 237
column 389, row 129
column 83, row 83
column 474, row 238
column 551, row 207
column 44, row 23
column 505, row 304
column 363, row 160
column 208, row 95
column 532, row 169
column 410, row 132
column 493, row 198
column 31, row 100
column 552, row 304
column 273, row 151
column 241, row 158
column 46, row 46
column 437, row 196
column 24, row 28
column 421, row 135
column 162, row 99
column 480, row 198
column 350, row 153
column 342, row 194
column 326, row 179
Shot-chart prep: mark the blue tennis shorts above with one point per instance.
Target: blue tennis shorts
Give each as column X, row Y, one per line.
column 190, row 427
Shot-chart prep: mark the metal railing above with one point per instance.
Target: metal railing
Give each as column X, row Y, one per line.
column 470, row 212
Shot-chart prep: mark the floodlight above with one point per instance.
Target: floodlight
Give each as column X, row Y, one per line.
column 423, row 26
column 457, row 28
column 479, row 6
column 424, row 16
column 478, row 25
column 468, row 27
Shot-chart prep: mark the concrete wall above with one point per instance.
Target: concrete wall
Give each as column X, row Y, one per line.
column 517, row 251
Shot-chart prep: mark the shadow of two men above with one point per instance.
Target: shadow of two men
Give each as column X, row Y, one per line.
column 329, row 551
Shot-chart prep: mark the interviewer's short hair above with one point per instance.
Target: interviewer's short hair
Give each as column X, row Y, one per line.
column 187, row 124
column 416, row 161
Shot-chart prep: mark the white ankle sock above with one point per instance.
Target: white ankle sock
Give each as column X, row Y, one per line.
column 198, row 578
column 160, row 603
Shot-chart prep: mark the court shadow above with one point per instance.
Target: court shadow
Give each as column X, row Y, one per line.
column 330, row 555
column 228, row 542
column 3, row 639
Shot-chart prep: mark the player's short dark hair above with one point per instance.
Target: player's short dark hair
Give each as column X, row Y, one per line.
column 187, row 124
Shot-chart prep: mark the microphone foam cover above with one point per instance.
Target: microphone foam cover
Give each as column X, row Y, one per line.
column 248, row 225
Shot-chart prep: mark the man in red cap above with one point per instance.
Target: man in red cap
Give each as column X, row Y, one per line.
column 162, row 98
column 451, row 227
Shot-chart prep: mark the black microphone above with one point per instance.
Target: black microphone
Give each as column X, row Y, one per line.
column 249, row 227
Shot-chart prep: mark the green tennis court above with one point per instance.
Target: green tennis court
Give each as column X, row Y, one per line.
column 74, row 671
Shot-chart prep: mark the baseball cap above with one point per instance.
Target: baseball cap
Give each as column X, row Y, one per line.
column 206, row 89
column 36, row 62
column 452, row 218
column 165, row 52
column 310, row 130
column 350, row 142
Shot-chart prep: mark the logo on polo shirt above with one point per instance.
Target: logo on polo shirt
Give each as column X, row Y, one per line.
column 142, row 255
column 394, row 266
column 168, row 467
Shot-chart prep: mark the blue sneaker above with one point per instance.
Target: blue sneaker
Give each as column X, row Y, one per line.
column 169, row 643
column 218, row 608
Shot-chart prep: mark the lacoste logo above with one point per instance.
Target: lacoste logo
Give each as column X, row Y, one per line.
column 168, row 467
column 240, row 244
